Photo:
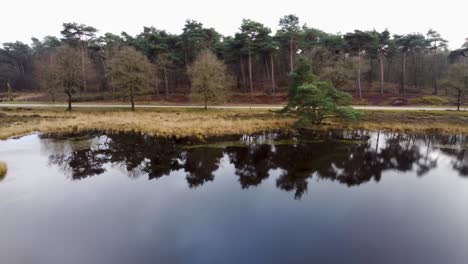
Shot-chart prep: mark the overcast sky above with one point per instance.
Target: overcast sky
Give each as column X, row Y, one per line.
column 21, row 20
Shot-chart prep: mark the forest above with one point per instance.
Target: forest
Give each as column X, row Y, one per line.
column 259, row 60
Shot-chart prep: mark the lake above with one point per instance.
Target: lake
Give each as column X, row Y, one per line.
column 336, row 197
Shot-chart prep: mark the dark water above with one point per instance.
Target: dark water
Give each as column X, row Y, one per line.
column 126, row 198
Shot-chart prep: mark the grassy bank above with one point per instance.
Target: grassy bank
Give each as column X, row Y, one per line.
column 445, row 122
column 163, row 122
column 200, row 123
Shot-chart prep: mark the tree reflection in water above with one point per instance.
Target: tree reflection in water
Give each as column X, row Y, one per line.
column 332, row 156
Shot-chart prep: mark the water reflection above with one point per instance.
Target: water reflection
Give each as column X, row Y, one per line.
column 347, row 158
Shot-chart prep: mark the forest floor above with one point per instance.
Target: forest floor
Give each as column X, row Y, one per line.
column 214, row 122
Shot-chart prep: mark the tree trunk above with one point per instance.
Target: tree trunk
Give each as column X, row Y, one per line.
column 403, row 74
column 242, row 72
column 132, row 101
column 250, row 73
column 9, row 91
column 291, row 59
column 83, row 70
column 459, row 100
column 415, row 71
column 381, row 73
column 156, row 88
column 112, row 87
column 268, row 76
column 166, row 82
column 69, row 101
column 435, row 73
column 206, row 99
column 359, row 76
column 272, row 74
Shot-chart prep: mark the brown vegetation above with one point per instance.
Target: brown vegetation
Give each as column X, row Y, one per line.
column 445, row 122
column 200, row 123
column 3, row 169
column 164, row 122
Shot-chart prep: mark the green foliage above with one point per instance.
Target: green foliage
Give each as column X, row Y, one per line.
column 358, row 41
column 254, row 36
column 411, row 42
column 301, row 74
column 315, row 100
column 196, row 38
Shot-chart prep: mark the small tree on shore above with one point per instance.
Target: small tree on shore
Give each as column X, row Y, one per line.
column 211, row 82
column 130, row 71
column 456, row 80
column 318, row 100
column 315, row 100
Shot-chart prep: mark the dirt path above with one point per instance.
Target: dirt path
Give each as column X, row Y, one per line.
column 397, row 108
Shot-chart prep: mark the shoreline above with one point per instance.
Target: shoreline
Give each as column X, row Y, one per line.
column 198, row 123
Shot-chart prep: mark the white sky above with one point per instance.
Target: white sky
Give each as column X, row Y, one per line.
column 20, row 20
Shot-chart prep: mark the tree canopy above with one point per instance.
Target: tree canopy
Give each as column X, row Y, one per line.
column 260, row 59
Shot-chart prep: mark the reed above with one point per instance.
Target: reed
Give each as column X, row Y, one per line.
column 3, row 169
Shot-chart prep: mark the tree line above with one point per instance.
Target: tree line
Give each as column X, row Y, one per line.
column 255, row 58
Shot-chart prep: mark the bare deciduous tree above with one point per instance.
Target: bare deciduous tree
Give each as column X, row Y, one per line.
column 130, row 71
column 210, row 79
column 63, row 70
column 457, row 81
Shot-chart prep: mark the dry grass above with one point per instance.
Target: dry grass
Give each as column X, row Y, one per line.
column 3, row 169
column 444, row 122
column 200, row 123
column 162, row 122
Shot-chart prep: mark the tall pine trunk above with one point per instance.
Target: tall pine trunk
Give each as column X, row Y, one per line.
column 187, row 71
column 403, row 74
column 291, row 58
column 206, row 98
column 415, row 71
column 359, row 75
column 83, row 69
column 435, row 73
column 242, row 72
column 166, row 82
column 267, row 68
column 250, row 73
column 382, row 73
column 273, row 85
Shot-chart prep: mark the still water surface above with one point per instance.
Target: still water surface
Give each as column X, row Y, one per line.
column 336, row 198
